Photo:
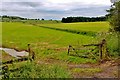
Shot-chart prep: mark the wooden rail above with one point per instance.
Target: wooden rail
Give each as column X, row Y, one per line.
column 102, row 47
column 16, row 60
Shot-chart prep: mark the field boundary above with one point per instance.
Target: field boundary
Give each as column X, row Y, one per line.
column 87, row 33
column 102, row 50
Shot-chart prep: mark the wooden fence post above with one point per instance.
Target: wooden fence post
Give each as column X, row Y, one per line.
column 100, row 51
column 31, row 53
column 29, row 50
column 103, row 50
column 69, row 49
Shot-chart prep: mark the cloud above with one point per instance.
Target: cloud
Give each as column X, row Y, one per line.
column 113, row 1
column 55, row 9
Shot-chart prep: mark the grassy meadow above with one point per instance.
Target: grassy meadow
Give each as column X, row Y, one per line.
column 82, row 26
column 50, row 46
column 22, row 34
column 42, row 39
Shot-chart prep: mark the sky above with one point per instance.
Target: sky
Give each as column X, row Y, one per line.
column 54, row 9
column 114, row 1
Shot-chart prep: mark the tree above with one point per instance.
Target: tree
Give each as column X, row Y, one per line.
column 42, row 19
column 63, row 20
column 114, row 17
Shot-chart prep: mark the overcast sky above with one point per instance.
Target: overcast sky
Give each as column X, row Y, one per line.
column 54, row 9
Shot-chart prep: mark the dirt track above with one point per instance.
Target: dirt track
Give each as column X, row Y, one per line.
column 109, row 69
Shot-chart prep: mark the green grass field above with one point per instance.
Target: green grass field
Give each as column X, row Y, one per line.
column 82, row 26
column 18, row 35
column 44, row 41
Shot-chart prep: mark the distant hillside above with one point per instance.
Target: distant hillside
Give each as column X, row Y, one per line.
column 6, row 18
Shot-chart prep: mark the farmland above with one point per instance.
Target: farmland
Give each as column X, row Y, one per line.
column 82, row 26
column 34, row 34
column 50, row 46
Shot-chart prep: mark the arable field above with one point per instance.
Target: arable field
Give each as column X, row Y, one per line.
column 50, row 47
column 81, row 26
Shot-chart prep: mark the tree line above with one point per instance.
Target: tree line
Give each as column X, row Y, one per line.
column 83, row 19
column 10, row 18
column 13, row 17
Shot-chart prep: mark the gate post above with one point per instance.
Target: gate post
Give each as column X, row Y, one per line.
column 100, row 51
column 103, row 50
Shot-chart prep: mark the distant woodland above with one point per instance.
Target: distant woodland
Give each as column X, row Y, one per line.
column 83, row 19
